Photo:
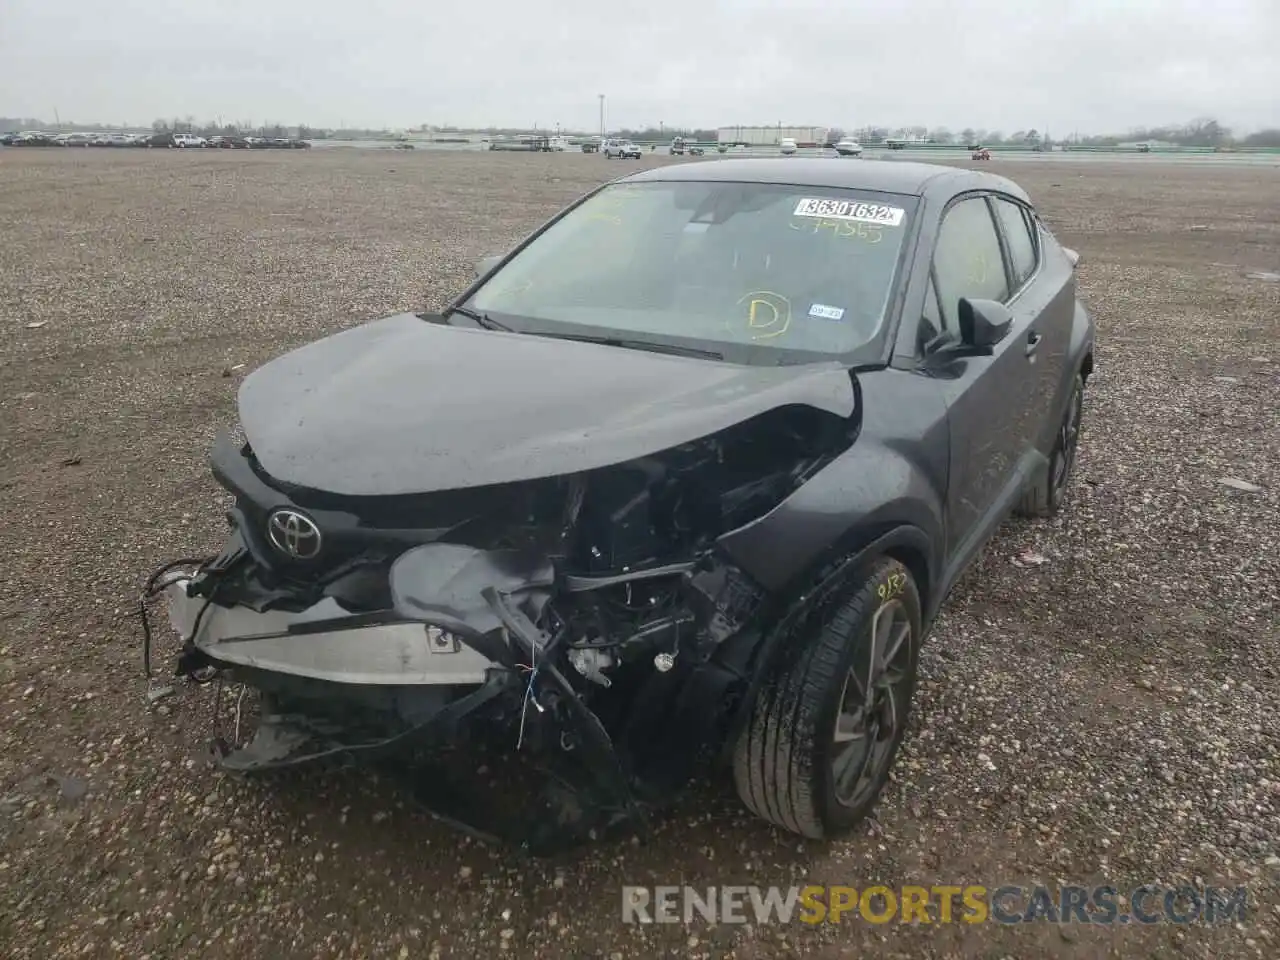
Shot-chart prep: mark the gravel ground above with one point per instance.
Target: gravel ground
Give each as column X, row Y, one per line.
column 1109, row 713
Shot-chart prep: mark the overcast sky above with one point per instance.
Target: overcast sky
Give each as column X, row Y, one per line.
column 1083, row 65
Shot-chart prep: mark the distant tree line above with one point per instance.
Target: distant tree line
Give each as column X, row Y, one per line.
column 1202, row 132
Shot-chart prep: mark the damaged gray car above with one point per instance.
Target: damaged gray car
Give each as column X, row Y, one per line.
column 682, row 480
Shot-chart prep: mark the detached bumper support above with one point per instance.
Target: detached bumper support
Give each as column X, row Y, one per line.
column 273, row 745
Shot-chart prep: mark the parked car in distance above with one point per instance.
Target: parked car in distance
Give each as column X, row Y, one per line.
column 621, row 149
column 34, row 138
column 184, row 140
column 732, row 550
column 787, row 146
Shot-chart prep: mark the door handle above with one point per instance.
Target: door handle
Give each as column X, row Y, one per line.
column 1033, row 341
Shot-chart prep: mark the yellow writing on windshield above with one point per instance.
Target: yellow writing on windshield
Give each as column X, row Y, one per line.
column 979, row 268
column 868, row 232
column 768, row 314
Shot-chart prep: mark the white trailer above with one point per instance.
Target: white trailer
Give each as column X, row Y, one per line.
column 771, row 136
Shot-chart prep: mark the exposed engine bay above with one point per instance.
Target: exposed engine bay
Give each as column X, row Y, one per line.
column 591, row 614
column 526, row 569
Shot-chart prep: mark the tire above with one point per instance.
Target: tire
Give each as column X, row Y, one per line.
column 1045, row 497
column 783, row 763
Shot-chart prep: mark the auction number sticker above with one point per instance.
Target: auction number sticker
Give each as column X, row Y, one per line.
column 856, row 210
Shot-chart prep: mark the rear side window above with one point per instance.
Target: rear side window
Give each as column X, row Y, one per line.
column 967, row 260
column 1017, row 233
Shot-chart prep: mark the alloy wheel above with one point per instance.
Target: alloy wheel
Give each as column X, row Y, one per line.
column 872, row 707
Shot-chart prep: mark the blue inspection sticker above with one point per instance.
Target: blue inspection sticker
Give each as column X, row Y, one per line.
column 824, row 312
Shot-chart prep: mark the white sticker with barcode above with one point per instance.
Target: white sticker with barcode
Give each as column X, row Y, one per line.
column 828, row 209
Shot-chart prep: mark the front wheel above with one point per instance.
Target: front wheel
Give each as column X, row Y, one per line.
column 825, row 729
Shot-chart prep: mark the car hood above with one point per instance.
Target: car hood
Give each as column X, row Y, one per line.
column 401, row 405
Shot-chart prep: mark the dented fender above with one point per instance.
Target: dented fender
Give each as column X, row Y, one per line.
column 871, row 488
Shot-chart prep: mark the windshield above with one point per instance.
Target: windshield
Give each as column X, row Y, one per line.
column 760, row 273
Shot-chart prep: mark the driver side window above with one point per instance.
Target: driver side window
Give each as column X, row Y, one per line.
column 967, row 260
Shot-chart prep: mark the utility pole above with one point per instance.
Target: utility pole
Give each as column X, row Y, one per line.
column 601, row 96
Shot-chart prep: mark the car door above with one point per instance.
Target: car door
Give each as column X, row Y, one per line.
column 986, row 396
column 1044, row 299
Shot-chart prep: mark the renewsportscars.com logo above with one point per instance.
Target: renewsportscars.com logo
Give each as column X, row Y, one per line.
column 1102, row 905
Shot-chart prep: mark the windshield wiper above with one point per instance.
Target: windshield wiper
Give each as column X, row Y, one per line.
column 488, row 323
column 483, row 319
column 633, row 344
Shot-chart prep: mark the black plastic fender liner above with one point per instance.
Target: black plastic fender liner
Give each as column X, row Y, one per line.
column 674, row 724
column 539, row 648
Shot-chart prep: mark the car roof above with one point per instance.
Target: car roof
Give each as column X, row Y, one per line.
column 885, row 176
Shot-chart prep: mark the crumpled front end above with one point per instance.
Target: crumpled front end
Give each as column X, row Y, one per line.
column 588, row 624
column 490, row 643
column 330, row 681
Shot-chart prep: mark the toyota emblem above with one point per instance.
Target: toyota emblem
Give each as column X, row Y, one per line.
column 294, row 534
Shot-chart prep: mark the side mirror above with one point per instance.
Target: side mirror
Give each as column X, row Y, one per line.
column 1072, row 255
column 983, row 324
column 485, row 266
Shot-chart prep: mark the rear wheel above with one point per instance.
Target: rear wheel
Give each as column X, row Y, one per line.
column 825, row 729
column 1047, row 495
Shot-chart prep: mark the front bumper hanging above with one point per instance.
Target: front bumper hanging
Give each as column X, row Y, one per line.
column 440, row 669
column 323, row 642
